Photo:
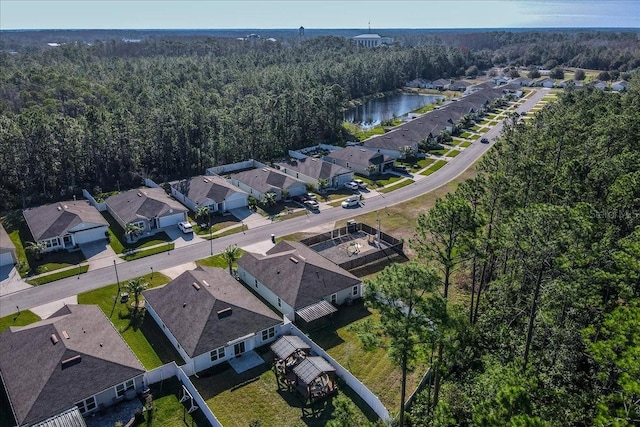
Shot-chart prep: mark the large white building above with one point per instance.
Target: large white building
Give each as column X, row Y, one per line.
column 372, row 40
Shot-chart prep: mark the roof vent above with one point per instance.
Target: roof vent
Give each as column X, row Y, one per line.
column 206, row 283
column 66, row 207
column 65, row 334
column 67, row 363
column 54, row 339
column 295, row 261
column 59, row 208
column 196, row 286
column 139, row 194
column 264, row 170
column 225, row 312
column 301, row 257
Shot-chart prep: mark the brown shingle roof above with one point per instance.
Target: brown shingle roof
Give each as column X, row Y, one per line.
column 144, row 203
column 297, row 274
column 39, row 385
column 201, row 188
column 192, row 315
column 55, row 220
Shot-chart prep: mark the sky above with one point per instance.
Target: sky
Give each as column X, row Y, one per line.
column 263, row 14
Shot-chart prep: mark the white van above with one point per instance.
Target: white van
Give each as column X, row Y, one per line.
column 186, row 227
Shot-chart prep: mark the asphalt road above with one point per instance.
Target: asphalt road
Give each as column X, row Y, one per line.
column 39, row 295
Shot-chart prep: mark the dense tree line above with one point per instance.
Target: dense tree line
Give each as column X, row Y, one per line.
column 104, row 114
column 545, row 247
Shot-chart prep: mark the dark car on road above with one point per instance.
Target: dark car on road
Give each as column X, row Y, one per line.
column 484, row 140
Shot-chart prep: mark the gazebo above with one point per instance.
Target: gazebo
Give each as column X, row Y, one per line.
column 289, row 351
column 315, row 378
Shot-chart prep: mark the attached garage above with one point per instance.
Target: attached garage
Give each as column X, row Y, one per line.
column 173, row 219
column 89, row 235
column 237, row 200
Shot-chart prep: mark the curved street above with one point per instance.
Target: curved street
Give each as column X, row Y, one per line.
column 93, row 279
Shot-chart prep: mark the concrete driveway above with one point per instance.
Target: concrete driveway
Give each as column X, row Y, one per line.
column 99, row 254
column 181, row 239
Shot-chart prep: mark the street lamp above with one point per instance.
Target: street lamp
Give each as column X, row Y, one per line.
column 151, row 273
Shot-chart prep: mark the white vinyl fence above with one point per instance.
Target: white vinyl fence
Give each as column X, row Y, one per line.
column 367, row 395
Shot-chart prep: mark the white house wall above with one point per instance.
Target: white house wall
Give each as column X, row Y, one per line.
column 108, row 397
column 266, row 293
column 183, row 199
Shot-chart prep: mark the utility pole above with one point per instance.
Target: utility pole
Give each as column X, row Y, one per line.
column 117, row 279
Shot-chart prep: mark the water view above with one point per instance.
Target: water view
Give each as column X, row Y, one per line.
column 377, row 110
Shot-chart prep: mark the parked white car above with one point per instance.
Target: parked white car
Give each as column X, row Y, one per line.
column 186, row 227
column 351, row 202
column 361, row 183
column 351, row 186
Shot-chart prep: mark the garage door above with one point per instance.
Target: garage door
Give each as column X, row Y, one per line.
column 170, row 220
column 90, row 235
column 236, row 202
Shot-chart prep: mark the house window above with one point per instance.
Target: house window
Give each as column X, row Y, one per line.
column 268, row 333
column 355, row 291
column 87, row 405
column 122, row 388
column 334, row 298
column 279, row 303
column 347, row 164
column 216, row 354
column 256, row 282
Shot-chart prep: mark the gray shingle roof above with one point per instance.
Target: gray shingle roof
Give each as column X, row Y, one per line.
column 315, row 168
column 144, row 203
column 286, row 345
column 297, row 274
column 311, row 368
column 201, row 188
column 265, row 180
column 6, row 245
column 39, row 385
column 55, row 220
column 192, row 315
column 359, row 156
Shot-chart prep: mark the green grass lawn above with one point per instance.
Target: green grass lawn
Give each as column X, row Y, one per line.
column 437, row 165
column 148, row 252
column 118, row 241
column 453, row 153
column 386, row 179
column 240, row 399
column 58, row 275
column 217, row 261
column 467, row 135
column 167, row 409
column 440, row 152
column 25, row 317
column 465, row 144
column 393, row 187
column 361, row 134
column 374, row 368
column 143, row 335
column 420, row 163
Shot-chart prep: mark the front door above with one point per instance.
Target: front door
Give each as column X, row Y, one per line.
column 238, row 349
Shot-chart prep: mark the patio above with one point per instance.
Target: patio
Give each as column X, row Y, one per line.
column 123, row 411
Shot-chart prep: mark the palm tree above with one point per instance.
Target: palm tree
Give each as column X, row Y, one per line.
column 132, row 229
column 269, row 199
column 136, row 286
column 231, row 253
column 204, row 211
column 285, row 194
column 322, row 184
column 35, row 249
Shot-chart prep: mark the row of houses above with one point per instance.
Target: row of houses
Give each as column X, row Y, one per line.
column 440, row 84
column 618, row 86
column 76, row 358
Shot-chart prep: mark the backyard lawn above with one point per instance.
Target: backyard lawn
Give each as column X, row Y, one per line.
column 142, row 334
column 252, row 396
column 167, row 409
column 374, row 368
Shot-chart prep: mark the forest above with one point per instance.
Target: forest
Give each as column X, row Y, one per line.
column 103, row 115
column 525, row 291
column 536, row 263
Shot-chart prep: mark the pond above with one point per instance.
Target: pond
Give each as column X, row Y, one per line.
column 377, row 110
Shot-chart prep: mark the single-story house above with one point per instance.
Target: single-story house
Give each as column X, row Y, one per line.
column 500, row 80
column 360, row 160
column 209, row 317
column 73, row 358
column 440, row 84
column 598, row 84
column 393, row 143
column 545, row 82
column 620, row 85
column 299, row 282
column 459, row 85
column 7, row 249
column 213, row 191
column 311, row 170
column 65, row 225
column 259, row 181
column 523, row 81
column 148, row 208
column 419, row 83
